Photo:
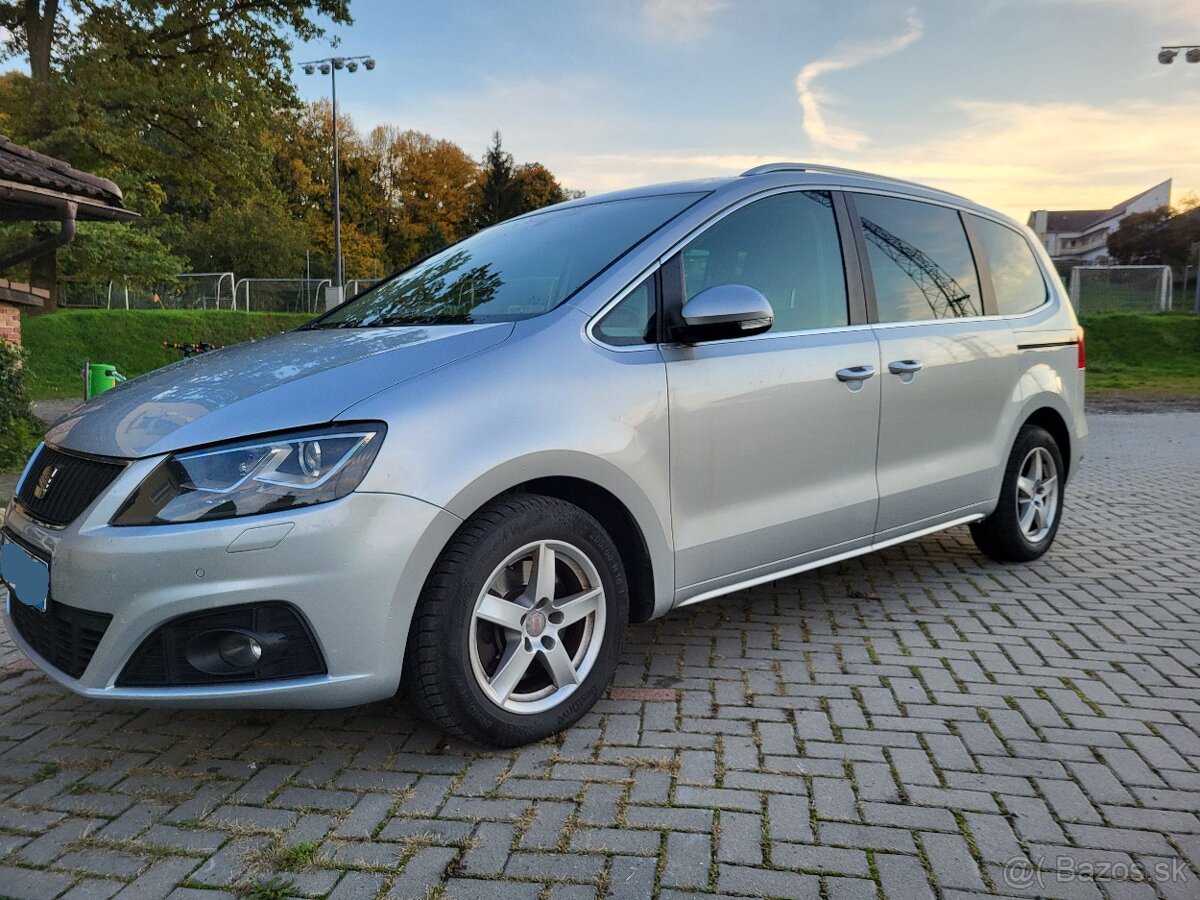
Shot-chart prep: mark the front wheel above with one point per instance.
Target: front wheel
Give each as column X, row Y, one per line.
column 1026, row 518
column 519, row 628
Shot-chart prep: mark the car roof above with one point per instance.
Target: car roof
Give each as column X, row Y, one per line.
column 786, row 173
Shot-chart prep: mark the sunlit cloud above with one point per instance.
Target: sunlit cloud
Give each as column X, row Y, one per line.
column 1021, row 156
column 813, row 98
column 1014, row 157
column 679, row 21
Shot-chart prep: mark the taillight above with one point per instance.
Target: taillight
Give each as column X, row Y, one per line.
column 1082, row 351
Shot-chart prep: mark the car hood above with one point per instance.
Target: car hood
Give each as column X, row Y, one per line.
column 289, row 380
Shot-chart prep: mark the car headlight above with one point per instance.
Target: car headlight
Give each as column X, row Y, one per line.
column 256, row 476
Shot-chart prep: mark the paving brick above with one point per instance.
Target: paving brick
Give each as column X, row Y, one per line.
column 747, row 882
column 741, row 839
column 422, row 873
column 555, row 866
column 1045, row 709
column 33, row 884
column 631, row 878
column 688, row 858
column 950, row 858
column 811, row 858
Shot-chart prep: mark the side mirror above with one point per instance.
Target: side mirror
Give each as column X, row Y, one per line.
column 724, row 311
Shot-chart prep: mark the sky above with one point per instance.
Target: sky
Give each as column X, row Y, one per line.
column 1018, row 104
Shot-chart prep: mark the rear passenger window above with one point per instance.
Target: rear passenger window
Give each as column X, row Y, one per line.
column 785, row 246
column 1017, row 279
column 920, row 260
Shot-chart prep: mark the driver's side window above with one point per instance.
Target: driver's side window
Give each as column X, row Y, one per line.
column 786, row 246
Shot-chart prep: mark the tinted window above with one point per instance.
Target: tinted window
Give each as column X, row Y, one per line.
column 631, row 321
column 1017, row 279
column 785, row 246
column 920, row 260
column 514, row 270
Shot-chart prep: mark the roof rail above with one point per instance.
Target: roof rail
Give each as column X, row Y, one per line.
column 820, row 169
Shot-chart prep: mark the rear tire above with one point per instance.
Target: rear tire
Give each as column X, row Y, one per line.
column 519, row 628
column 1026, row 518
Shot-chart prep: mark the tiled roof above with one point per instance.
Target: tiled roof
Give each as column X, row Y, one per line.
column 1074, row 219
column 1080, row 220
column 22, row 166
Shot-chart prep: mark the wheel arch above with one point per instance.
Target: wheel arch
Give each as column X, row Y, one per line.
column 606, row 493
column 621, row 526
column 1052, row 420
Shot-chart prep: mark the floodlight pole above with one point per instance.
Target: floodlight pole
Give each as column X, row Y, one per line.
column 1166, row 56
column 330, row 65
column 337, row 188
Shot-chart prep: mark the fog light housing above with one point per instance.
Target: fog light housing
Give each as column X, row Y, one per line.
column 251, row 642
column 239, row 651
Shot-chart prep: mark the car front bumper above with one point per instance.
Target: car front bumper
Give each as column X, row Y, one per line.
column 352, row 568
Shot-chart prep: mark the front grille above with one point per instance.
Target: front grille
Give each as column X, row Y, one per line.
column 290, row 651
column 68, row 484
column 66, row 637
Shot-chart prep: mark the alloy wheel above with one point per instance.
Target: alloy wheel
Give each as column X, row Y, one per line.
column 1037, row 495
column 537, row 627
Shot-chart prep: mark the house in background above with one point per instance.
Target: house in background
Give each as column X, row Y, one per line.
column 1079, row 237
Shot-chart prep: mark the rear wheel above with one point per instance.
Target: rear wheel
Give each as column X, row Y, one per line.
column 519, row 628
column 1026, row 518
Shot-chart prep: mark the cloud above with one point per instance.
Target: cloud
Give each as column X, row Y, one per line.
column 1022, row 156
column 821, row 132
column 678, row 21
column 1012, row 156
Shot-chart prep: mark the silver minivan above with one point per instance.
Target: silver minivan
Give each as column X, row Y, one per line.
column 469, row 479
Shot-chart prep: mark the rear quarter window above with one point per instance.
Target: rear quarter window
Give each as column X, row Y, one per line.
column 1017, row 279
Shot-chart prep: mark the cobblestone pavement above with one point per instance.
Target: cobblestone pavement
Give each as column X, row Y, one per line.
column 917, row 723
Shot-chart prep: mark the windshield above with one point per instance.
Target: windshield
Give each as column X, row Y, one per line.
column 515, row 270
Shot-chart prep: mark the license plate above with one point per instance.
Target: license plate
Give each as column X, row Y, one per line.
column 27, row 577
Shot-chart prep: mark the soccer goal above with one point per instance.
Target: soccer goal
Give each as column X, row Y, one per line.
column 280, row 294
column 1102, row 289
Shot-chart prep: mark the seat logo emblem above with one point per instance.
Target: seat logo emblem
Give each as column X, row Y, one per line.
column 45, row 479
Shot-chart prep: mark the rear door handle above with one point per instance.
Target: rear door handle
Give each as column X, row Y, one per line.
column 855, row 373
column 905, row 366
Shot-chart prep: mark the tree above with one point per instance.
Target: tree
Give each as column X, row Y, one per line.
column 1163, row 236
column 537, row 187
column 151, row 93
column 499, row 193
column 508, row 190
column 255, row 236
column 429, row 188
column 119, row 252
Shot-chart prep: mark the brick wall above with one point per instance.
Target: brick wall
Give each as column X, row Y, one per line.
column 10, row 323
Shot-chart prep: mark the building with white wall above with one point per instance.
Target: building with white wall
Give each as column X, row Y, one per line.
column 1080, row 236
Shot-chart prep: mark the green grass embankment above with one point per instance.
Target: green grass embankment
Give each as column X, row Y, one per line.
column 1128, row 355
column 60, row 343
column 1150, row 356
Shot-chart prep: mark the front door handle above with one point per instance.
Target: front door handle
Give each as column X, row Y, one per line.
column 855, row 373
column 905, row 366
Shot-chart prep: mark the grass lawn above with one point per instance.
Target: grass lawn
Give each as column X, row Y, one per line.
column 1152, row 357
column 60, row 343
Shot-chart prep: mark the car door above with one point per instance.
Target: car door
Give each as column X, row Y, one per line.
column 947, row 369
column 772, row 456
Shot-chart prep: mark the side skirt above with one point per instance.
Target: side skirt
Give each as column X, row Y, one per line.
column 827, row 560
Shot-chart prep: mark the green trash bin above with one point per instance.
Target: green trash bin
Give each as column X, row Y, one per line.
column 98, row 378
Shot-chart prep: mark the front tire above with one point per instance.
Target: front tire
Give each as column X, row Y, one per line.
column 1026, row 518
column 519, row 628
